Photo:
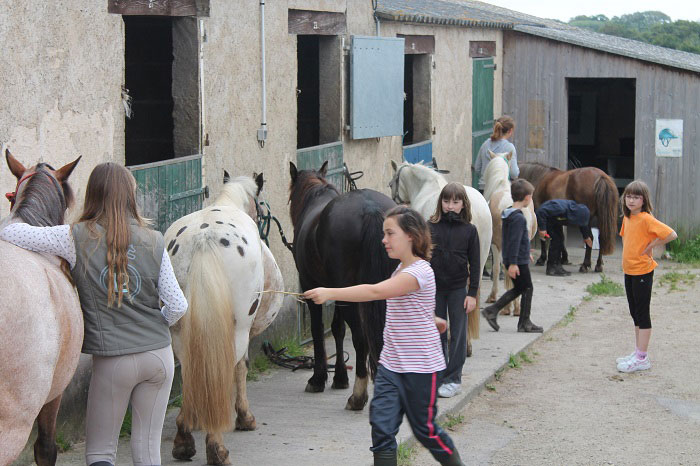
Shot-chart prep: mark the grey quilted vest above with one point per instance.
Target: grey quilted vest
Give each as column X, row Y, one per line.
column 137, row 325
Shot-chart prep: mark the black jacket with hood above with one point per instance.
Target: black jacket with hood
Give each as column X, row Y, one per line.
column 456, row 255
column 516, row 240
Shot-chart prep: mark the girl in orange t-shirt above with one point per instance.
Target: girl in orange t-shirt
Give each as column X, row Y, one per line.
column 641, row 233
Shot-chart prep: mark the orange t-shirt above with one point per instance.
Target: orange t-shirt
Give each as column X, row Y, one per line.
column 637, row 232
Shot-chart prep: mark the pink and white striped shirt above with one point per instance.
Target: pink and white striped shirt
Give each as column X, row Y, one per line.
column 411, row 339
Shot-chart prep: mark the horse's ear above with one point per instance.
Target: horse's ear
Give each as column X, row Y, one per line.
column 394, row 166
column 324, row 169
column 259, row 180
column 492, row 154
column 510, row 155
column 293, row 171
column 16, row 167
column 64, row 172
column 434, row 162
column 227, row 177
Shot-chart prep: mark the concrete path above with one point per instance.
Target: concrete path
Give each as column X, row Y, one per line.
column 298, row 428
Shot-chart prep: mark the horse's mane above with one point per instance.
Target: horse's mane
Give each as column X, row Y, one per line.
column 44, row 200
column 305, row 188
column 534, row 171
column 496, row 177
column 239, row 191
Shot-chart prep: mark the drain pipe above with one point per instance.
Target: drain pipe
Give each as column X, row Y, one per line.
column 262, row 132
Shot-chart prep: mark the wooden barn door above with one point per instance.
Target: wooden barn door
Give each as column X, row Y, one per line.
column 482, row 106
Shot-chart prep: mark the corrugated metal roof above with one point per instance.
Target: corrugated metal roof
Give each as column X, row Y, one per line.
column 479, row 14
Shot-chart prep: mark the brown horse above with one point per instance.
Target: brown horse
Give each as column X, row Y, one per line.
column 589, row 186
column 41, row 324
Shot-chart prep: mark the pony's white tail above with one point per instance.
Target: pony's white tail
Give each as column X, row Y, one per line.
column 208, row 353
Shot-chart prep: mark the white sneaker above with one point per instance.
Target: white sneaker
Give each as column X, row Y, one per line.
column 448, row 390
column 626, row 358
column 634, row 364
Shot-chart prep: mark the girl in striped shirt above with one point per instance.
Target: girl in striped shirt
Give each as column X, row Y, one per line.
column 406, row 381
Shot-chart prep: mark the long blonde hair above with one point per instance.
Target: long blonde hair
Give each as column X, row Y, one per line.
column 110, row 201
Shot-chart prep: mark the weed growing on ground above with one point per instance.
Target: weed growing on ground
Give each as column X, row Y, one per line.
column 176, row 402
column 569, row 316
column 685, row 251
column 513, row 361
column 125, row 431
column 588, row 297
column 524, row 357
column 293, row 348
column 62, row 444
column 452, row 421
column 605, row 287
column 490, row 387
column 405, row 455
column 675, row 279
column 498, row 374
column 260, row 365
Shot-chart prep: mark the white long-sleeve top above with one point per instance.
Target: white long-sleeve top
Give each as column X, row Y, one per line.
column 58, row 241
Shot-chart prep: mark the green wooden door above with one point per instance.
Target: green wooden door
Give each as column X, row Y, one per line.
column 169, row 189
column 311, row 158
column 482, row 106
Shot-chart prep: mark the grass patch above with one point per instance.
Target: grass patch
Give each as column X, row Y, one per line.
column 675, row 279
column 62, row 443
column 258, row 366
column 524, row 357
column 685, row 251
column 293, row 348
column 405, row 454
column 490, row 387
column 176, row 402
column 125, row 431
column 605, row 287
column 453, row 421
column 588, row 297
column 498, row 374
column 569, row 316
column 513, row 361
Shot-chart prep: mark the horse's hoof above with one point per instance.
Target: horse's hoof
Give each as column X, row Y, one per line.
column 217, row 454
column 541, row 261
column 183, row 448
column 356, row 403
column 314, row 388
column 469, row 349
column 504, row 312
column 339, row 385
column 584, row 269
column 516, row 312
column 246, row 423
column 599, row 269
column 491, row 299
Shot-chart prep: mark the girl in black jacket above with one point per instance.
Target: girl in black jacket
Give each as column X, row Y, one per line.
column 455, row 262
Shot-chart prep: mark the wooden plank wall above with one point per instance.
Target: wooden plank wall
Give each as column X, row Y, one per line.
column 535, row 69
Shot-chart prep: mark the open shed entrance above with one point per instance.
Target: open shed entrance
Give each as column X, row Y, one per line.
column 602, row 125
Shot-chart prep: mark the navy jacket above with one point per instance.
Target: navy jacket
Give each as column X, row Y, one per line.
column 456, row 255
column 516, row 238
column 566, row 211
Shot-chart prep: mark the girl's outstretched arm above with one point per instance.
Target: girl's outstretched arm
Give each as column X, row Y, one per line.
column 398, row 285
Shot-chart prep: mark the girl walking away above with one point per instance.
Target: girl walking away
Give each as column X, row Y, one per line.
column 641, row 233
column 455, row 262
column 499, row 143
column 516, row 257
column 411, row 358
column 121, row 270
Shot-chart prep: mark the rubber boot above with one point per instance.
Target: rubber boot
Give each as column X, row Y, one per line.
column 555, row 269
column 524, row 323
column 385, row 458
column 453, row 460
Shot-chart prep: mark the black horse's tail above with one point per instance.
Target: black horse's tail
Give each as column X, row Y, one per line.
column 375, row 266
column 607, row 206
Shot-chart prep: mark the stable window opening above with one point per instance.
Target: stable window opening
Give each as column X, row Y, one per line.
column 416, row 109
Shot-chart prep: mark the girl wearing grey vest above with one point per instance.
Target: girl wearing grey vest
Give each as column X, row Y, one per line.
column 122, row 273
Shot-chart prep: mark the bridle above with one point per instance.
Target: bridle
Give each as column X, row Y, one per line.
column 394, row 185
column 12, row 197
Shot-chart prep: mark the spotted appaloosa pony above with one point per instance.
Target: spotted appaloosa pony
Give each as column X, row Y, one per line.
column 497, row 188
column 222, row 267
column 589, row 186
column 41, row 324
column 420, row 186
column 338, row 243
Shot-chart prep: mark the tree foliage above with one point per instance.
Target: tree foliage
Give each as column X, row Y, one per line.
column 653, row 27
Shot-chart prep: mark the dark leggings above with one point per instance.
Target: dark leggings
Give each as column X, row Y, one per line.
column 451, row 303
column 638, row 288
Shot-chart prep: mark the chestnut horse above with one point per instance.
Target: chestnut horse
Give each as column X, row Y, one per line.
column 589, row 186
column 41, row 324
column 337, row 243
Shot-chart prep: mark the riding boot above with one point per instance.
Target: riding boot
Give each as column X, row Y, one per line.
column 490, row 313
column 555, row 269
column 524, row 323
column 453, row 460
column 385, row 458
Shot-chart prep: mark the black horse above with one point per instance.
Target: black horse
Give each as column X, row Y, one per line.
column 337, row 243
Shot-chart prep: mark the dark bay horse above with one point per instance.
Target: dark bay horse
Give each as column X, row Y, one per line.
column 589, row 186
column 337, row 243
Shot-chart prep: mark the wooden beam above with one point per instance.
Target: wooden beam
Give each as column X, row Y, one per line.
column 325, row 23
column 482, row 49
column 159, row 7
column 418, row 44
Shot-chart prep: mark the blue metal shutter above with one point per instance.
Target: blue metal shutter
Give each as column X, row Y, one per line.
column 376, row 87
